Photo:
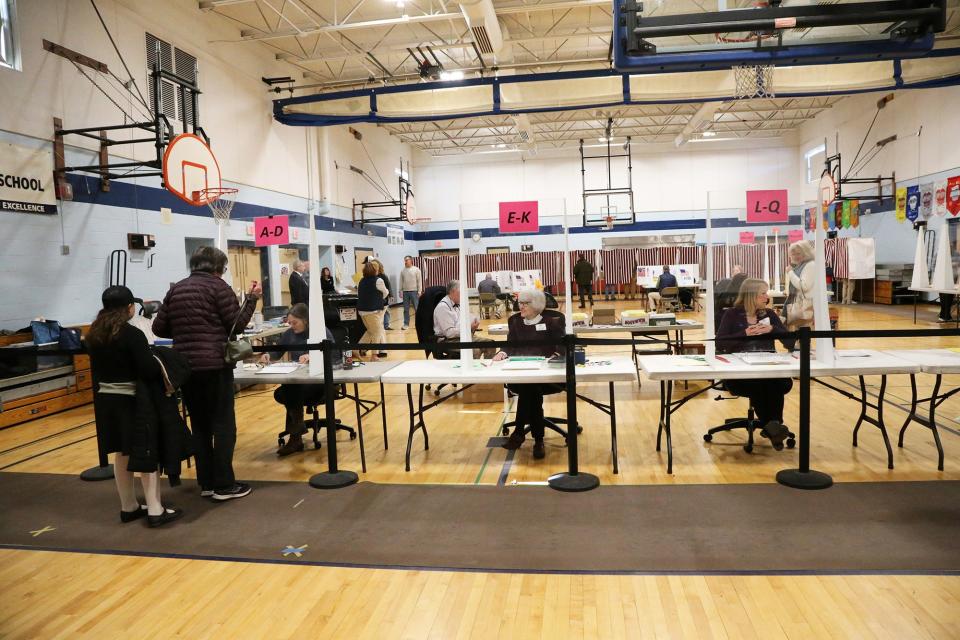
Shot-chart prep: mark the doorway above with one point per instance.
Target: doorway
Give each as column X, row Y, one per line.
column 360, row 256
column 246, row 265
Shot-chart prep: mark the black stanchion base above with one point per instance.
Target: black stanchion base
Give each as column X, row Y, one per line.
column 567, row 482
column 98, row 473
column 804, row 479
column 327, row 480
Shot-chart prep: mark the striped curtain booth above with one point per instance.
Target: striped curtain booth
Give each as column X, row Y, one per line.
column 748, row 256
column 719, row 263
column 618, row 265
column 649, row 257
column 835, row 255
column 437, row 271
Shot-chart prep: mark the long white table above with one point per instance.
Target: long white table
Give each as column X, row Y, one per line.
column 860, row 363
column 938, row 362
column 365, row 372
column 422, row 372
column 639, row 335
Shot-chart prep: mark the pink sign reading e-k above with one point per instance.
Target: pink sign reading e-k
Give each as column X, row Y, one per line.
column 271, row 230
column 519, row 217
column 767, row 206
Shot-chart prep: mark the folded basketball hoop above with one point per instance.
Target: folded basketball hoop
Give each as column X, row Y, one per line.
column 219, row 199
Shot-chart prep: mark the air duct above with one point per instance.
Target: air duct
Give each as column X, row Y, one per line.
column 482, row 21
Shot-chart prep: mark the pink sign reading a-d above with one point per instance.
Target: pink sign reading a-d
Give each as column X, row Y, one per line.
column 767, row 206
column 794, row 235
column 271, row 230
column 519, row 217
column 747, row 237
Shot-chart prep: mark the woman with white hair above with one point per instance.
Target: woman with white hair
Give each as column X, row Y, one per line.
column 801, row 280
column 530, row 325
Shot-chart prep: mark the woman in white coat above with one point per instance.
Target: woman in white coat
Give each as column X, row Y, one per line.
column 800, row 280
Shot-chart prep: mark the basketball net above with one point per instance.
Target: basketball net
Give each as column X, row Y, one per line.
column 608, row 222
column 220, row 200
column 753, row 81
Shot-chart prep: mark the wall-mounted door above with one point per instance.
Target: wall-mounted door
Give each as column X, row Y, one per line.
column 245, row 268
column 287, row 256
column 359, row 257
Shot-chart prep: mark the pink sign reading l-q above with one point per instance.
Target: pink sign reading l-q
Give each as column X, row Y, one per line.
column 271, row 230
column 794, row 235
column 767, row 206
column 747, row 237
column 519, row 217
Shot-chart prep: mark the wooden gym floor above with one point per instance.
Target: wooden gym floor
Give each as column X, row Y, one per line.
column 58, row 594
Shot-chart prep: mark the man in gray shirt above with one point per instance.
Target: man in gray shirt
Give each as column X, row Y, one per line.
column 489, row 285
column 411, row 284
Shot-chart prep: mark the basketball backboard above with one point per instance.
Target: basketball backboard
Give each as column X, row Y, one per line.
column 688, row 35
column 190, row 168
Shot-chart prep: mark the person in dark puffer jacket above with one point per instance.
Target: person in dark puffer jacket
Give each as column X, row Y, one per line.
column 198, row 313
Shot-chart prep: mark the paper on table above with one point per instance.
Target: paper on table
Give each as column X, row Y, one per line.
column 693, row 361
column 280, row 367
column 764, row 358
column 522, row 365
column 853, row 353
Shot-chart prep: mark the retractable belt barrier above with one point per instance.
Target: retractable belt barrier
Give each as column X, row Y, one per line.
column 574, row 480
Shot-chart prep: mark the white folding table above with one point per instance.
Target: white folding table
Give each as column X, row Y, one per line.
column 667, row 369
column 937, row 362
column 365, row 372
column 423, row 372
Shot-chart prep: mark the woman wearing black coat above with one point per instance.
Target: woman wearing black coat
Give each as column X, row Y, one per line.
column 120, row 358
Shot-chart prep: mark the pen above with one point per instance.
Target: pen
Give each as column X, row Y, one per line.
column 722, row 359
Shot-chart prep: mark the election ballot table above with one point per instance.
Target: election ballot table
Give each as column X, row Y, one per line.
column 860, row 363
column 938, row 362
column 423, row 372
column 639, row 335
column 366, row 372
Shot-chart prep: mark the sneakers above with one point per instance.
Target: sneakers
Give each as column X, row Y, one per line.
column 515, row 441
column 238, row 490
column 206, row 493
column 403, row 328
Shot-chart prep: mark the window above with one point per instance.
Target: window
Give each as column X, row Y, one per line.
column 815, row 158
column 9, row 42
column 173, row 104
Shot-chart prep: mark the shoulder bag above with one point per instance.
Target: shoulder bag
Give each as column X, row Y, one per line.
column 237, row 350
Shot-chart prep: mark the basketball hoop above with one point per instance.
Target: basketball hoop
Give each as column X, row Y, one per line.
column 608, row 222
column 219, row 199
column 753, row 81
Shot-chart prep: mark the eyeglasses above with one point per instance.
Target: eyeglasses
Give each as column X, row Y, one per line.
column 523, row 302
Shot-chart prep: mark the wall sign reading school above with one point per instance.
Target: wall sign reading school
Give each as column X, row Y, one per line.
column 26, row 180
column 519, row 217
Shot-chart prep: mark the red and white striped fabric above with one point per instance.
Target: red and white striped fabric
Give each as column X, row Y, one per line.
column 836, row 256
column 437, row 271
column 619, row 265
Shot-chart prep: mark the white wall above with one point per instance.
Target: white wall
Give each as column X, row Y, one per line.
column 933, row 154
column 267, row 160
column 668, row 181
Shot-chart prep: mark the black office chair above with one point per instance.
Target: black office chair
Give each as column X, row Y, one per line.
column 313, row 404
column 423, row 322
column 750, row 422
column 549, row 422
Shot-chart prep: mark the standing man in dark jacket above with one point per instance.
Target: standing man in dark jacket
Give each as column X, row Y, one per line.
column 583, row 276
column 198, row 313
column 299, row 287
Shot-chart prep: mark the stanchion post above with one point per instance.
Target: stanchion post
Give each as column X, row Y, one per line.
column 104, row 471
column 334, row 477
column 804, row 477
column 573, row 479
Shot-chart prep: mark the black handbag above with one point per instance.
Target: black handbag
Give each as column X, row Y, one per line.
column 237, row 350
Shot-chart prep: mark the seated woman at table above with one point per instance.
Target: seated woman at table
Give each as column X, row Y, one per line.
column 749, row 316
column 531, row 325
column 295, row 396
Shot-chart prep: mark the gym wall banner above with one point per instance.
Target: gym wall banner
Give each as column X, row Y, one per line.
column 26, row 180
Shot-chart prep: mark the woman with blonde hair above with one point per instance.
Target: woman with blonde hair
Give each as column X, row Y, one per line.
column 750, row 317
column 371, row 302
column 798, row 307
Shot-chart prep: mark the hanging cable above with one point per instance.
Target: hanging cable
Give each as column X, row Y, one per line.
column 100, row 89
column 122, row 61
column 374, row 164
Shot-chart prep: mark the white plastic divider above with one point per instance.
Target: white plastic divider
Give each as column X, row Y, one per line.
column 710, row 348
column 921, row 275
column 567, row 287
column 821, row 310
column 466, row 319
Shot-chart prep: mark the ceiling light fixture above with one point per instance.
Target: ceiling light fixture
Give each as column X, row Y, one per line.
column 708, row 134
column 451, row 75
